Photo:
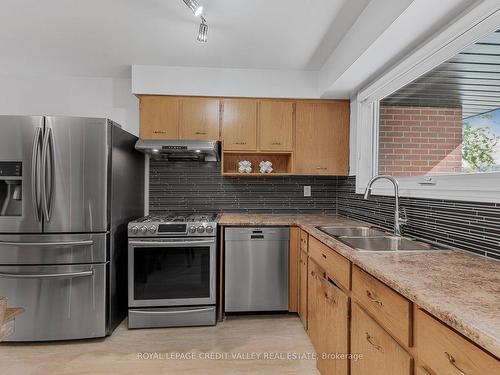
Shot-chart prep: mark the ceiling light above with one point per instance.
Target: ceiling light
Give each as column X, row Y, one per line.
column 196, row 8
column 202, row 33
column 199, row 11
column 155, row 150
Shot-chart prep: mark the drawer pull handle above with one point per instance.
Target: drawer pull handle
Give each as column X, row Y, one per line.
column 201, row 133
column 241, row 143
column 321, row 168
column 329, row 299
column 453, row 363
column 276, row 143
column 372, row 342
column 324, row 256
column 372, row 297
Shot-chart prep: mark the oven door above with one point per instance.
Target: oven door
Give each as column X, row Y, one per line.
column 171, row 272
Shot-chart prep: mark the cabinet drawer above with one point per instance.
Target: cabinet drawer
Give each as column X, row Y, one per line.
column 389, row 308
column 382, row 355
column 303, row 240
column 446, row 352
column 338, row 267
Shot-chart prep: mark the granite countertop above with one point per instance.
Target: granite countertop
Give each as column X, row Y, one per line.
column 459, row 288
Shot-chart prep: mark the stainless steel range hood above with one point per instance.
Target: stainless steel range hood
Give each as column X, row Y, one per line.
column 180, row 150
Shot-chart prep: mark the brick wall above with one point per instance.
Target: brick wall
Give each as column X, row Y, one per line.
column 420, row 140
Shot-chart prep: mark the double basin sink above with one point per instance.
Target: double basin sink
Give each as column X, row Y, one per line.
column 371, row 239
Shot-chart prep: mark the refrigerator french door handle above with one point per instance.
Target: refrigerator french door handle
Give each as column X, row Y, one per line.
column 47, row 155
column 52, row 173
column 35, row 177
column 47, row 244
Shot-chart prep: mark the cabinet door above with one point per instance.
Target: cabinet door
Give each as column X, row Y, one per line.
column 333, row 309
column 303, row 288
column 239, row 124
column 275, row 126
column 382, row 355
column 199, row 119
column 322, row 138
column 293, row 270
column 314, row 327
column 159, row 117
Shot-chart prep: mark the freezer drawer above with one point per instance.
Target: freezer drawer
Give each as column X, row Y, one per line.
column 171, row 317
column 42, row 249
column 256, row 269
column 60, row 302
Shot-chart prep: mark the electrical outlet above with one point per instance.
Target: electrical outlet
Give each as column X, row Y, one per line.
column 307, row 191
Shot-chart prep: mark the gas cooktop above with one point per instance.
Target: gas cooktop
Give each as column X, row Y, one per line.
column 174, row 224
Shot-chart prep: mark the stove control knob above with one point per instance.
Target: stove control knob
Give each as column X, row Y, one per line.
column 152, row 229
column 200, row 229
column 134, row 230
column 144, row 229
column 192, row 229
column 209, row 229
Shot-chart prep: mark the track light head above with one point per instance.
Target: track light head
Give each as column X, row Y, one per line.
column 196, row 8
column 202, row 33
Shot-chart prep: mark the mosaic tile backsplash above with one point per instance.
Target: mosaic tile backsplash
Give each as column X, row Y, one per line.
column 471, row 226
column 199, row 187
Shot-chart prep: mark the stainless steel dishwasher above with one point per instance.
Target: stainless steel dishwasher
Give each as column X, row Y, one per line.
column 256, row 269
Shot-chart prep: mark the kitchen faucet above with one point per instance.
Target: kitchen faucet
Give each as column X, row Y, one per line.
column 398, row 220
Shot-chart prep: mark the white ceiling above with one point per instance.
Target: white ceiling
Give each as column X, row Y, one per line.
column 344, row 42
column 105, row 37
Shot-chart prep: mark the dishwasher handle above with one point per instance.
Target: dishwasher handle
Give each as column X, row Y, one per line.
column 257, row 237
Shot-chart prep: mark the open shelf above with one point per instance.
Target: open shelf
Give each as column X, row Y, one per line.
column 282, row 163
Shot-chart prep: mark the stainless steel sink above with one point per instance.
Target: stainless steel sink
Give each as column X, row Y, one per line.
column 352, row 231
column 386, row 243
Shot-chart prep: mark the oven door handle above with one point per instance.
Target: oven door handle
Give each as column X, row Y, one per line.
column 170, row 243
column 172, row 312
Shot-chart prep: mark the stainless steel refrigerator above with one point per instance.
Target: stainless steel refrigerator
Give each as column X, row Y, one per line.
column 68, row 187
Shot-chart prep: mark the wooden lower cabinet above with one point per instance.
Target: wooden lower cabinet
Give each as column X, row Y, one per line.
column 446, row 352
column 303, row 288
column 293, row 270
column 313, row 301
column 328, row 322
column 382, row 355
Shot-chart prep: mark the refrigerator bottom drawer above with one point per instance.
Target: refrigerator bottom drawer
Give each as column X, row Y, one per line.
column 172, row 317
column 60, row 302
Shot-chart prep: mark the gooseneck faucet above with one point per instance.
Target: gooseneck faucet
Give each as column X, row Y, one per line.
column 398, row 220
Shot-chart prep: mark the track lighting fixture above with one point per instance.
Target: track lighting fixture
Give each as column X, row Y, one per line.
column 197, row 10
column 202, row 33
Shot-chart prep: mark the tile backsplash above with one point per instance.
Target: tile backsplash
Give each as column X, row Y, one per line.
column 471, row 226
column 199, row 187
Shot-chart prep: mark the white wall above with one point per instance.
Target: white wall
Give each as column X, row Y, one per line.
column 171, row 80
column 70, row 96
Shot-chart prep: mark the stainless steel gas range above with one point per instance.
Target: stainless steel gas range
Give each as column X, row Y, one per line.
column 171, row 264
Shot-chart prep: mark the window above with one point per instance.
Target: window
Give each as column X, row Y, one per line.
column 433, row 121
column 446, row 121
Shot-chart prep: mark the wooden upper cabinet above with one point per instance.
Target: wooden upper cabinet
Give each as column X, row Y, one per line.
column 322, row 137
column 239, row 124
column 199, row 119
column 275, row 125
column 159, row 117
